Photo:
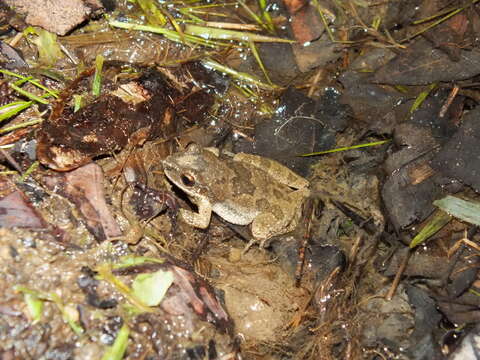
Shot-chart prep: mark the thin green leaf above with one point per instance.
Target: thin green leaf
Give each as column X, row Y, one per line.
column 439, row 21
column 13, row 108
column 169, row 34
column 105, row 273
column 28, row 94
column 20, row 126
column 266, row 16
column 118, row 348
column 129, row 260
column 254, row 16
column 465, row 210
column 436, row 223
column 177, row 27
column 97, row 77
column 421, row 98
column 224, row 34
column 375, row 143
column 29, row 171
column 151, row 288
column 77, row 102
column 31, row 81
column 259, row 61
column 238, row 75
column 53, row 297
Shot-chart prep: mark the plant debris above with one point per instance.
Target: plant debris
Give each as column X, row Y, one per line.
column 375, row 103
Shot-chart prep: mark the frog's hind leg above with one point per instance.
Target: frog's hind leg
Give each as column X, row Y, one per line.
column 261, row 230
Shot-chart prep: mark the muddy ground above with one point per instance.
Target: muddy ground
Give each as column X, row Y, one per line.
column 373, row 103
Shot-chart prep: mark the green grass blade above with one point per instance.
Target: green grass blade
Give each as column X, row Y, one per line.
column 28, row 95
column 266, row 16
column 237, row 75
column 436, row 223
column 97, row 78
column 259, row 60
column 254, row 16
column 13, row 108
column 20, row 126
column 375, row 143
column 421, row 97
column 31, row 81
column 77, row 102
column 153, row 14
column 224, row 34
column 169, row 34
column 119, row 346
column 34, row 306
column 29, row 171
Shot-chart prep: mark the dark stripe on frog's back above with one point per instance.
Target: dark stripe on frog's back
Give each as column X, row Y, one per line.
column 242, row 179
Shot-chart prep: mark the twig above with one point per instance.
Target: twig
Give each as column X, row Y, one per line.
column 398, row 276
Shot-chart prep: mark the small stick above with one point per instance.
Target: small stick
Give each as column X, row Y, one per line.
column 449, row 101
column 398, row 275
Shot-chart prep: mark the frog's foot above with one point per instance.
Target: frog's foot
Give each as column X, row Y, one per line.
column 262, row 244
column 248, row 246
column 200, row 219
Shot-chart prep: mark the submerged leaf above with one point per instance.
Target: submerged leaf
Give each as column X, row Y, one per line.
column 151, row 288
column 223, row 34
column 105, row 273
column 49, row 51
column 130, row 260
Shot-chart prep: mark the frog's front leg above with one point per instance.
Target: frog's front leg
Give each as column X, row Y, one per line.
column 200, row 219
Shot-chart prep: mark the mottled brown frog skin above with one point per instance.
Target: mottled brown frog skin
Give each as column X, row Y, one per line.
column 243, row 189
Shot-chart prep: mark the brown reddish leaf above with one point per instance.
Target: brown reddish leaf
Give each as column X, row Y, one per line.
column 305, row 21
column 201, row 297
column 84, row 187
column 16, row 211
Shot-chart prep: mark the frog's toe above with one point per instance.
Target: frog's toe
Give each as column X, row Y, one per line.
column 248, row 246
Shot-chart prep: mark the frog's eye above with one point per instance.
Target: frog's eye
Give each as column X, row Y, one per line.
column 187, row 180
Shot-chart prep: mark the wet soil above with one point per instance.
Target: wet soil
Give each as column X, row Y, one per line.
column 97, row 261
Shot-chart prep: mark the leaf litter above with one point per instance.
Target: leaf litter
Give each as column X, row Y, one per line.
column 91, row 244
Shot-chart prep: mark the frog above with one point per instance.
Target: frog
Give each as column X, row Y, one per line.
column 242, row 189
